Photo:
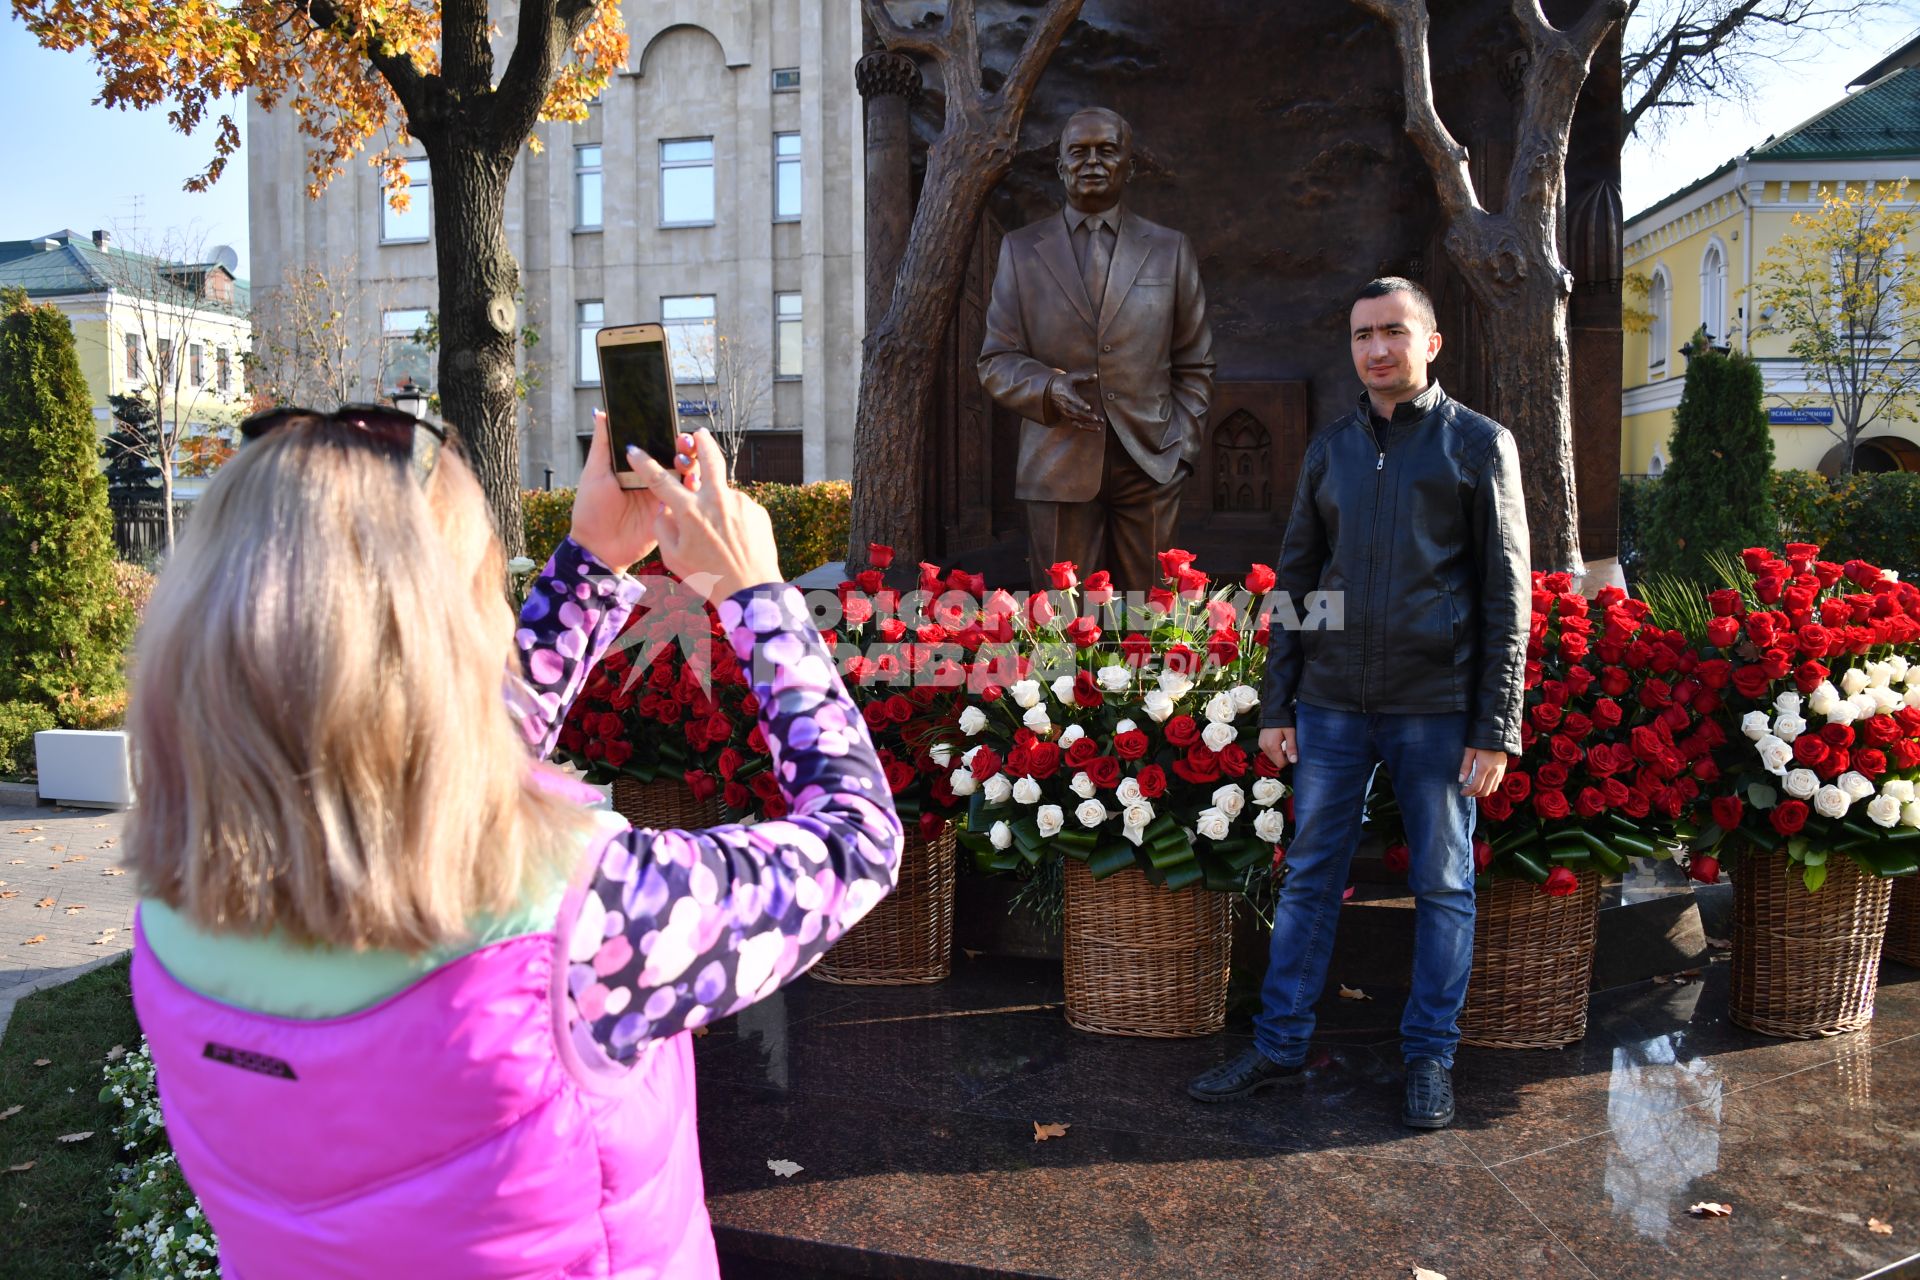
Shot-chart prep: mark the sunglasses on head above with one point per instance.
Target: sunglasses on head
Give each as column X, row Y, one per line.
column 406, row 437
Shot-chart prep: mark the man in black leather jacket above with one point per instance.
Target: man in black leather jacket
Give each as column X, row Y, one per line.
column 1409, row 508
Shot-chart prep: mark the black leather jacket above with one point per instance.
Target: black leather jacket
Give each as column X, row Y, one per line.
column 1423, row 531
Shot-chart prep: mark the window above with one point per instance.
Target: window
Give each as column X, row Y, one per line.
column 588, row 317
column 164, row 360
column 786, row 176
column 786, row 79
column 1713, row 294
column 587, row 187
column 417, row 222
column 1660, row 303
column 686, row 183
column 786, row 335
column 690, row 332
column 409, row 362
column 196, row 364
column 222, row 370
column 133, row 355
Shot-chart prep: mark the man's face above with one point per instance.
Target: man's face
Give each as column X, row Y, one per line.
column 1392, row 345
column 1094, row 163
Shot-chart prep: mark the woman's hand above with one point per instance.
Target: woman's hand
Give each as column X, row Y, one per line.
column 615, row 524
column 716, row 539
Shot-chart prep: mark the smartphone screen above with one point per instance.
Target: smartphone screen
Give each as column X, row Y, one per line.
column 639, row 392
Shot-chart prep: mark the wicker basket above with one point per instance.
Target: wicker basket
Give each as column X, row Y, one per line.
column 664, row 805
column 908, row 937
column 1903, row 923
column 1142, row 960
column 1805, row 964
column 1532, row 965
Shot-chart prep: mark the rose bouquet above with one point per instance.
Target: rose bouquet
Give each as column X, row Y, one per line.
column 1821, row 753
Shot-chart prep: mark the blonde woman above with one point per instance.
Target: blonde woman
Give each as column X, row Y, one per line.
column 415, row 1009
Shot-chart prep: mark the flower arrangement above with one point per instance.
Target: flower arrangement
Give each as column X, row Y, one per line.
column 159, row 1230
column 1821, row 753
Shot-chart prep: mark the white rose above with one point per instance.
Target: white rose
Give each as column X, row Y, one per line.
column 1026, row 791
column 964, row 783
column 1049, row 819
column 1268, row 791
column 1884, row 810
column 1900, row 789
column 1220, row 708
column 1878, row 673
column 1831, row 802
column 1885, row 699
column 1897, row 667
column 1775, row 755
column 996, row 789
column 1025, row 693
column 1063, row 690
column 1125, row 726
column 1912, row 697
column 1802, row 783
column 1212, row 824
column 1175, row 684
column 972, row 721
column 1787, row 727
column 1270, row 825
column 1136, row 816
column 966, row 757
column 1245, row 697
column 1114, row 678
column 1842, row 712
column 1853, row 680
column 1910, row 814
column 942, row 753
column 1857, row 785
column 1754, row 725
column 1788, row 703
column 1217, row 735
column 1001, row 835
column 1230, row 799
column 1821, row 700
column 1082, row 785
column 1864, row 704
column 1157, row 704
column 1091, row 813
column 1036, row 720
column 1128, row 792
column 1071, row 734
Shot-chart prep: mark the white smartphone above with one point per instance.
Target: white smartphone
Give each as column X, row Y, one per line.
column 636, row 383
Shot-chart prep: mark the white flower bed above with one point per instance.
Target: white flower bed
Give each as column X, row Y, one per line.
column 159, row 1231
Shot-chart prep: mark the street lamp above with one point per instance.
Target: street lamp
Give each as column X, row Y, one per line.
column 411, row 399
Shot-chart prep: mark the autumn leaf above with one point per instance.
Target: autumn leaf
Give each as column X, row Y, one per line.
column 43, row 1062
column 11, row 1111
column 23, row 1167
column 1041, row 1132
column 1709, row 1209
column 35, row 940
column 22, row 831
column 81, row 1136
column 35, row 839
column 1874, row 1225
column 76, row 908
column 44, row 902
column 10, row 893
column 1353, row 993
column 114, row 871
column 783, row 1168
column 1427, row 1273
column 14, row 862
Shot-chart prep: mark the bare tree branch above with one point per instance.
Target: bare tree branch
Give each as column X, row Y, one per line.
column 906, row 39
column 1445, row 157
column 541, row 42
column 1034, row 55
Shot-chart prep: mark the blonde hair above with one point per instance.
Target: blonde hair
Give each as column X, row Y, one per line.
column 319, row 739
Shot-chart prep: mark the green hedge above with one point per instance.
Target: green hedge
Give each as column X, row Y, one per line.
column 811, row 522
column 19, row 721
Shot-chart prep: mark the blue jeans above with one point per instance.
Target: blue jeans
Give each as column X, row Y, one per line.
column 1338, row 751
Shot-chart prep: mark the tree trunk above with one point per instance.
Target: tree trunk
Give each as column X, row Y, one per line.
column 478, row 319
column 899, row 370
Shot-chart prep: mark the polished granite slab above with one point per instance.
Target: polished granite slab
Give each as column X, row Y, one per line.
column 911, row 1111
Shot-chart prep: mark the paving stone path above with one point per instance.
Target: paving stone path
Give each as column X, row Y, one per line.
column 62, row 907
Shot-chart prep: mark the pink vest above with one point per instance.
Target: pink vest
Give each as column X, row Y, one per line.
column 452, row 1130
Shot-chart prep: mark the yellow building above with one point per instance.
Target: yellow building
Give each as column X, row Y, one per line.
column 136, row 317
column 1701, row 248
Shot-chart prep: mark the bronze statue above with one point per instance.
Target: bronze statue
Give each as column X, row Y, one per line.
column 1097, row 336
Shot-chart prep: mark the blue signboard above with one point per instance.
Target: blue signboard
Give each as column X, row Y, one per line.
column 696, row 408
column 1781, row 417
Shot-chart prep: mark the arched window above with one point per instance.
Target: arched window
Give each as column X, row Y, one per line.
column 1660, row 335
column 1713, row 293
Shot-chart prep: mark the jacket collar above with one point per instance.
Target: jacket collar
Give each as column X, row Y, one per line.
column 1407, row 410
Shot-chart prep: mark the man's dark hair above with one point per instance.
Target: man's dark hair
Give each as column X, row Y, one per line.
column 1422, row 303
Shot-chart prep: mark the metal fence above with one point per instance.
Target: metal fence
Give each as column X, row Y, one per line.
column 140, row 527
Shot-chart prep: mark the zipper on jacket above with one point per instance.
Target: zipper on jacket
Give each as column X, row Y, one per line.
column 1373, row 552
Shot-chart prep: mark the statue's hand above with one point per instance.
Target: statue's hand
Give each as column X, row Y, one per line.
column 1072, row 407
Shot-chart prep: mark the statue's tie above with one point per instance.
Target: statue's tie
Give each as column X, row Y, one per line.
column 1099, row 258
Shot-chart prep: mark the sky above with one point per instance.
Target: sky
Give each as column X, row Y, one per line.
column 82, row 166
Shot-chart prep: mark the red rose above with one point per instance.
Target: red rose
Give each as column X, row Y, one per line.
column 738, row 798
column 1561, row 883
column 1871, row 761
column 879, row 555
column 1063, row 574
column 1837, row 735
column 1590, row 803
column 1881, row 730
column 1396, row 858
column 1045, row 760
column 1724, row 602
column 1153, row 781
column 1607, row 713
column 1181, row 732
column 986, row 763
column 1233, row 760
column 1615, row 791
column 1130, row 745
column 1789, row 816
column 1808, row 675
column 1810, row 749
column 1551, row 804
column 1086, row 690
column 1105, row 772
column 1482, row 855
column 1635, row 805
column 1191, row 583
column 1173, row 560
column 1260, row 579
column 1727, row 812
column 1516, row 785
column 1564, row 749
column 1576, row 726
column 1200, row 765
column 931, row 825
column 900, row 776
column 1496, row 806
column 1136, row 647
column 1081, row 750
column 1552, row 775
column 1546, row 717
column 1040, row 610
column 1750, row 681
column 1705, row 868
column 1615, row 681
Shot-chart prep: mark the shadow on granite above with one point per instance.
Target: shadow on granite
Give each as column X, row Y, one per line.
column 911, row 1111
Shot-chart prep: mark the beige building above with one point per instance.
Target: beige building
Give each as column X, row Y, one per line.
column 716, row 187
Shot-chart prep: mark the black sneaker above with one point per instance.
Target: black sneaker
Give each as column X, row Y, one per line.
column 1241, row 1076
column 1429, row 1095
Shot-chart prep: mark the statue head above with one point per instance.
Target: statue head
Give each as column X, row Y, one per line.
column 1096, row 158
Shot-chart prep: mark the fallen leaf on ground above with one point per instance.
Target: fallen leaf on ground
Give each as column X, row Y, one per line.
column 969, row 953
column 81, row 1136
column 105, row 938
column 43, row 1062
column 35, row 940
column 45, row 902
column 1709, row 1209
column 1353, row 993
column 99, row 824
column 21, row 1168
column 110, row 842
column 783, row 1168
column 75, row 857
column 1874, row 1225
column 21, row 831
column 76, row 908
column 10, row 893
column 35, row 839
column 1427, row 1273
column 13, row 1110
column 114, row 871
column 15, row 862
column 1041, row 1132
column 116, row 1053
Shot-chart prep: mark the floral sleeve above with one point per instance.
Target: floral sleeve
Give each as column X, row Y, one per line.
column 573, row 612
column 679, row 928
